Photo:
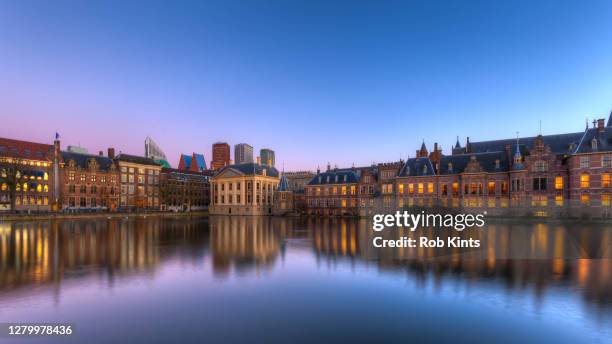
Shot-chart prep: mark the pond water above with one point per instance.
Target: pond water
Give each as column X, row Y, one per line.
column 279, row 280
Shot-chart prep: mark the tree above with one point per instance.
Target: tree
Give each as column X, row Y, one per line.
column 10, row 173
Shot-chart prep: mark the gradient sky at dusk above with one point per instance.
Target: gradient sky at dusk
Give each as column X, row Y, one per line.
column 317, row 81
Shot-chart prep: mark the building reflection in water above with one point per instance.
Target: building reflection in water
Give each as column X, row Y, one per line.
column 539, row 256
column 519, row 255
column 42, row 252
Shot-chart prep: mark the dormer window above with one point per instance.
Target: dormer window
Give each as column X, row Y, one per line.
column 320, row 179
column 450, row 167
column 336, row 179
column 345, row 178
column 594, row 144
column 327, row 179
column 497, row 164
column 424, row 169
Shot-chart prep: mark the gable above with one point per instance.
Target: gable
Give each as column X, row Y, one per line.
column 229, row 172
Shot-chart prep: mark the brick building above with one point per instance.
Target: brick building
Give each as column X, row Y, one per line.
column 89, row 182
column 184, row 190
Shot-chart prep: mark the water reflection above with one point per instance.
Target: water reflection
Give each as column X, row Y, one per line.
column 537, row 256
column 33, row 253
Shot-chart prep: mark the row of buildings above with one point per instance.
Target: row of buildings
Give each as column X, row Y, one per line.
column 564, row 175
column 243, row 154
column 545, row 175
column 42, row 177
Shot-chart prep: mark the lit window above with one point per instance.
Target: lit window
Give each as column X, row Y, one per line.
column 411, row 188
column 455, row 189
column 430, row 187
column 343, row 203
column 584, row 199
column 491, row 202
column 539, row 201
column 605, row 200
column 400, row 189
column 605, row 180
column 420, row 187
column 343, row 190
column 558, row 183
column 4, row 187
column 39, row 188
column 491, row 188
column 559, row 200
column 25, row 186
column 353, row 189
column 584, row 181
column 46, row 176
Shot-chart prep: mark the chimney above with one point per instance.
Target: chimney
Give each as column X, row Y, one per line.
column 435, row 147
column 601, row 124
column 258, row 160
column 111, row 153
column 101, row 153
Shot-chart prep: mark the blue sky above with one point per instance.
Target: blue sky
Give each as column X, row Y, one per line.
column 317, row 81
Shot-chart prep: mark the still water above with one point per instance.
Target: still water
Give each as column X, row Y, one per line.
column 270, row 280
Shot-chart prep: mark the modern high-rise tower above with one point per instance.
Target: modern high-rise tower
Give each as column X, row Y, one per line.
column 220, row 155
column 267, row 157
column 243, row 153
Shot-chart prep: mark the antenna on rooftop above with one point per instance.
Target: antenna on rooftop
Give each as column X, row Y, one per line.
column 540, row 127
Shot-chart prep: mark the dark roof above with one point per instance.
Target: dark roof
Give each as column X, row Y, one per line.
column 558, row 143
column 81, row 160
column 251, row 168
column 602, row 137
column 136, row 159
column 486, row 160
column 417, row 167
column 283, row 185
column 337, row 176
column 181, row 174
column 424, row 167
column 25, row 149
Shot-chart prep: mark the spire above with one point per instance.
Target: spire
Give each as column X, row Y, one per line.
column 518, row 158
column 457, row 144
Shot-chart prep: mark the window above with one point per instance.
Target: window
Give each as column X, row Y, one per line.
column 444, row 189
column 584, row 161
column 83, row 178
column 584, row 199
column 558, row 183
column 411, row 188
column 400, row 188
column 539, row 201
column 540, row 166
column 455, row 189
column 430, row 187
column 344, row 189
column 491, row 188
column 539, row 184
column 605, row 200
column 420, row 187
column 353, row 189
column 584, row 181
column 605, row 180
column 606, row 161
column 71, row 176
column 559, row 200
column 343, row 203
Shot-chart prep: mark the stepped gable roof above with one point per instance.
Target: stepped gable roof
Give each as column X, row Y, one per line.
column 82, row 160
column 136, row 159
column 558, row 143
column 250, row 169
